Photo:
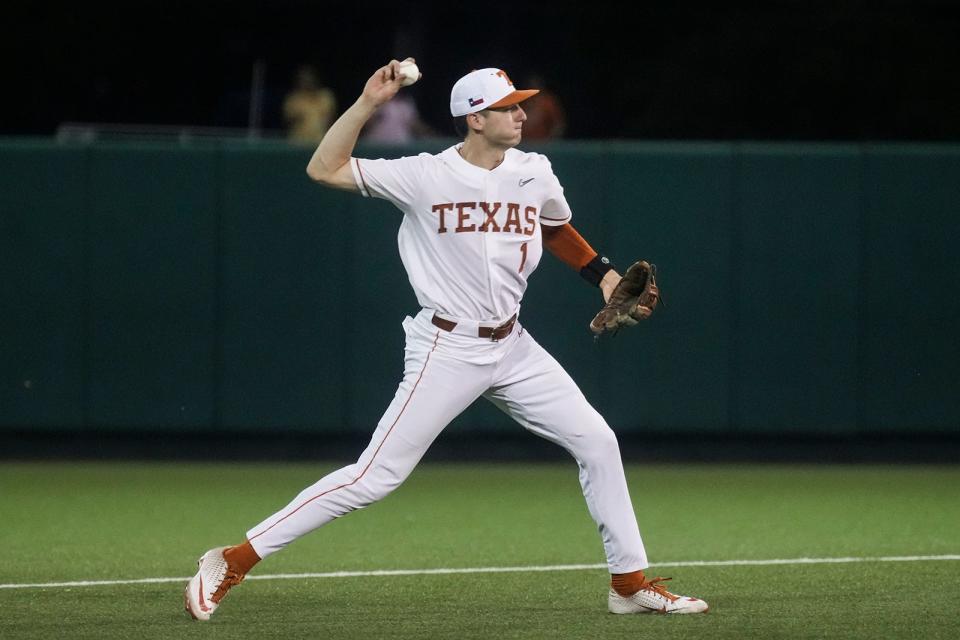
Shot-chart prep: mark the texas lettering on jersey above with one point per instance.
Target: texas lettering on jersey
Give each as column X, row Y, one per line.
column 511, row 220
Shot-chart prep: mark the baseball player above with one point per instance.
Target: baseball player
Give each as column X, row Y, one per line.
column 475, row 220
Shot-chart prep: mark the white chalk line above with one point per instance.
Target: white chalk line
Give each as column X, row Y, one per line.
column 466, row 570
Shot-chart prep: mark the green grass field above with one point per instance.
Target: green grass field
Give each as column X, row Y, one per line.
column 99, row 521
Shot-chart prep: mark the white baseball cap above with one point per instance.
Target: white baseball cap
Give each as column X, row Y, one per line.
column 485, row 89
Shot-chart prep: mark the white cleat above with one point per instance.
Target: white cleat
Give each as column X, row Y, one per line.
column 653, row 597
column 206, row 589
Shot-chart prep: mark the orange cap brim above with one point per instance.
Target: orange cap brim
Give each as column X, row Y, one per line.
column 513, row 98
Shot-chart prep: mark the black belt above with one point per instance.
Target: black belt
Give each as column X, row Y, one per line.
column 494, row 333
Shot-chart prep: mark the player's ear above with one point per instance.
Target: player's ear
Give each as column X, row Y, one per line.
column 475, row 121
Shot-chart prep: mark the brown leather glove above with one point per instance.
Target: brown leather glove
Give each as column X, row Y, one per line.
column 633, row 299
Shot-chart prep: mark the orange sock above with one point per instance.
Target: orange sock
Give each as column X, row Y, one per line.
column 627, row 584
column 241, row 557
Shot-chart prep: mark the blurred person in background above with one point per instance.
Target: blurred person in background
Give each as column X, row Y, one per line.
column 309, row 108
column 397, row 122
column 545, row 116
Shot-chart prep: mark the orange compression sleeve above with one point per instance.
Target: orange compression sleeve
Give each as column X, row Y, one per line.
column 565, row 243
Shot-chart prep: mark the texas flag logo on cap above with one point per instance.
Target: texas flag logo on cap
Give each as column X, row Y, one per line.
column 475, row 101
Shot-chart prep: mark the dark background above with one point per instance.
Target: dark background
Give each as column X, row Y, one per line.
column 762, row 70
column 741, row 220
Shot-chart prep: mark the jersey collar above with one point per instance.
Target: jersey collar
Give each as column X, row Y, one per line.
column 454, row 159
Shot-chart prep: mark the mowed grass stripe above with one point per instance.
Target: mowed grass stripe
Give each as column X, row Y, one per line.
column 468, row 570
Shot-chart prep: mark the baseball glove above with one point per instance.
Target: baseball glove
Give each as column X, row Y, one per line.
column 633, row 299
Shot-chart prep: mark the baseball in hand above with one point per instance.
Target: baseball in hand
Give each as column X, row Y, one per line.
column 409, row 73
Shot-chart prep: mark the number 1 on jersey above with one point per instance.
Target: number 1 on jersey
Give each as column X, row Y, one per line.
column 523, row 255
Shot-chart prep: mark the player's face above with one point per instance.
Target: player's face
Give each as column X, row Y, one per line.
column 503, row 126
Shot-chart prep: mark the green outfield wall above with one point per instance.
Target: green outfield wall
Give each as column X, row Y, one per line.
column 809, row 288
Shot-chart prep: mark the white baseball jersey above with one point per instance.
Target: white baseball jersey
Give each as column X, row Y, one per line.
column 479, row 228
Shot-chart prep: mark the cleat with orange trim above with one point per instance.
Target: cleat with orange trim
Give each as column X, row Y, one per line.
column 205, row 590
column 653, row 597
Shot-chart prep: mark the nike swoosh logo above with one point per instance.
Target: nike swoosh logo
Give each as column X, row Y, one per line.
column 524, row 182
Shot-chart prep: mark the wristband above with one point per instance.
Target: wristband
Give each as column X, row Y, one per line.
column 594, row 270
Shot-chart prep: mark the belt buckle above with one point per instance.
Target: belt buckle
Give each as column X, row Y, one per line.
column 493, row 332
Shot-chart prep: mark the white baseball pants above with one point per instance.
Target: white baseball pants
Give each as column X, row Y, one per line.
column 445, row 373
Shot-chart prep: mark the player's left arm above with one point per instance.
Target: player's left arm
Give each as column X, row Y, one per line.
column 569, row 247
column 627, row 299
